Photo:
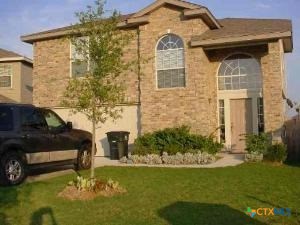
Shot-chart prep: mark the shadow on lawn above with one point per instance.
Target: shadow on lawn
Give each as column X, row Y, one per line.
column 185, row 213
column 38, row 216
column 11, row 197
column 8, row 199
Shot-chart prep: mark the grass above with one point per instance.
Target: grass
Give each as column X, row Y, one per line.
column 162, row 196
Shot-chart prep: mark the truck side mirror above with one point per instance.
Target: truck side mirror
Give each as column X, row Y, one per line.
column 69, row 125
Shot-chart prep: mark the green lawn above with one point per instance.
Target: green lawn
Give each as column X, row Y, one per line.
column 162, row 196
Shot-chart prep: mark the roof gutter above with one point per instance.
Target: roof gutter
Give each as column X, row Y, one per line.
column 217, row 43
column 16, row 59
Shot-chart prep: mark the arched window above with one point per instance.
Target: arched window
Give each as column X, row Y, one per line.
column 170, row 62
column 240, row 71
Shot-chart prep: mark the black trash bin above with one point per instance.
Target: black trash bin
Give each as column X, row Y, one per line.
column 118, row 144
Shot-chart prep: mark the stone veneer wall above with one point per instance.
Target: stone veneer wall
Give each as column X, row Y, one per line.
column 51, row 71
column 272, row 90
column 269, row 56
column 194, row 105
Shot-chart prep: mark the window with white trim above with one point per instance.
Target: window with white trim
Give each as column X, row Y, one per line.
column 79, row 64
column 170, row 62
column 240, row 71
column 6, row 76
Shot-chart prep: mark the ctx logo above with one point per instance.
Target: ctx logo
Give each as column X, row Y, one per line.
column 268, row 212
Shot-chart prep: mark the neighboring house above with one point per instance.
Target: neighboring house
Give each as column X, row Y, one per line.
column 15, row 77
column 219, row 76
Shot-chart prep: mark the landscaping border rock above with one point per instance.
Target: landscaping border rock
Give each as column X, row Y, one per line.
column 199, row 158
column 254, row 157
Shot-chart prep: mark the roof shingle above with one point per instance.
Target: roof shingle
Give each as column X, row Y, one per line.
column 238, row 27
column 8, row 54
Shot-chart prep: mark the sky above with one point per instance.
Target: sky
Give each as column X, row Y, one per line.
column 20, row 17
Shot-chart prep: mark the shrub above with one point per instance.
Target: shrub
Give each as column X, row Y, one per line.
column 173, row 141
column 276, row 153
column 257, row 143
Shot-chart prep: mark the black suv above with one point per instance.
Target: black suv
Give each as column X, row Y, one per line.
column 34, row 137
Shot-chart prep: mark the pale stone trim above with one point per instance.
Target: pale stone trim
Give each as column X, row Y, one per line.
column 227, row 96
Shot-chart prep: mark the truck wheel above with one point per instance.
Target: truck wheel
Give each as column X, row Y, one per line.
column 84, row 160
column 13, row 169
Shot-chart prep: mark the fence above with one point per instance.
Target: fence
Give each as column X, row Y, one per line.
column 292, row 138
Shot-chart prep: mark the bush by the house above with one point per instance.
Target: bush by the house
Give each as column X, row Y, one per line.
column 174, row 140
column 257, row 143
column 276, row 153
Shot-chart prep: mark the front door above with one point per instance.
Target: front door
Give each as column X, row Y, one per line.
column 241, row 123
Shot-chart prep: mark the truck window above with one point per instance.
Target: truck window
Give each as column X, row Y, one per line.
column 6, row 118
column 32, row 120
column 54, row 122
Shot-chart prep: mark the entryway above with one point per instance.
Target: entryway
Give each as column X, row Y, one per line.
column 241, row 123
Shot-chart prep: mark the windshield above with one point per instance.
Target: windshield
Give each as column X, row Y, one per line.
column 54, row 122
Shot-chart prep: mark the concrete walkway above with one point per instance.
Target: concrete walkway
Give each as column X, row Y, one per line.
column 225, row 161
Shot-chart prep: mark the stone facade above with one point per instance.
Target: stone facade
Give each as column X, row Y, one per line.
column 52, row 64
column 195, row 105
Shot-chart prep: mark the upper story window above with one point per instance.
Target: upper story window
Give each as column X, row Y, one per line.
column 240, row 71
column 79, row 64
column 170, row 62
column 6, row 76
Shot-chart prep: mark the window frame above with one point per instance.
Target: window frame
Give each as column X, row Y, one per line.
column 177, row 68
column 240, row 75
column 11, row 76
column 72, row 60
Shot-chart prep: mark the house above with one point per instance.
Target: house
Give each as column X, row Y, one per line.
column 15, row 77
column 224, row 77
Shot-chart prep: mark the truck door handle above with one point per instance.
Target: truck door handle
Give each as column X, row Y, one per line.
column 25, row 136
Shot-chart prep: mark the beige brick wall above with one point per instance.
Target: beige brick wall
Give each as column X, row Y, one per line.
column 272, row 90
column 193, row 105
column 52, row 71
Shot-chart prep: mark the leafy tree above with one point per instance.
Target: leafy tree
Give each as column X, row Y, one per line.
column 100, row 45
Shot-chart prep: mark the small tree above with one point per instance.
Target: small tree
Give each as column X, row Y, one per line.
column 100, row 45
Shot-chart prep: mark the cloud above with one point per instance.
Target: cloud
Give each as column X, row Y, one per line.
column 262, row 5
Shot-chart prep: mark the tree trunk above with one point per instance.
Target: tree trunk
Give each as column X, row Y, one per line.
column 93, row 149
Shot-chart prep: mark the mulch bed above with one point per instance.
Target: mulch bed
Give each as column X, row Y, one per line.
column 72, row 193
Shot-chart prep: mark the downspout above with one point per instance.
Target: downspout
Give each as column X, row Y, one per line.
column 139, row 113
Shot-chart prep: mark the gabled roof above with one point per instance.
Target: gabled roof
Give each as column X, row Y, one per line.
column 9, row 56
column 235, row 30
column 158, row 3
column 6, row 54
column 191, row 10
column 222, row 32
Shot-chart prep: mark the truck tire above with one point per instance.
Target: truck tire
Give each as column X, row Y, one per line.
column 13, row 169
column 84, row 159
